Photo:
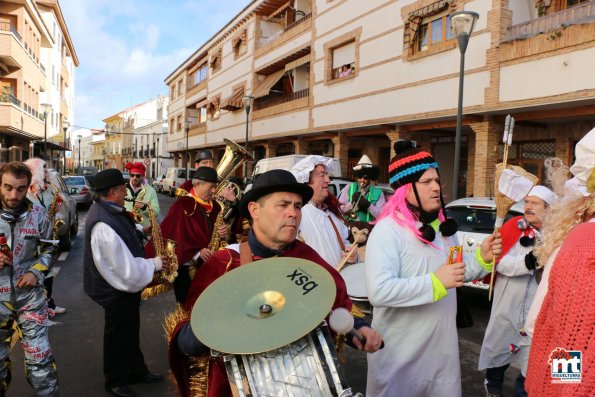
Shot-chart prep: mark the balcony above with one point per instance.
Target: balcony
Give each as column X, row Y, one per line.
column 9, row 98
column 9, row 27
column 582, row 14
column 292, row 30
column 12, row 117
column 267, row 102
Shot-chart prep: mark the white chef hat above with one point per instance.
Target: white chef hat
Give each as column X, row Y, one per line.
column 543, row 193
column 583, row 169
column 301, row 170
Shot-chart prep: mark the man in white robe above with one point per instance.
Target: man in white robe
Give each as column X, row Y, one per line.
column 412, row 286
column 506, row 340
column 321, row 227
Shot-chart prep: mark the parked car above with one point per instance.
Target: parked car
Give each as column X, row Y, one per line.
column 337, row 184
column 67, row 213
column 174, row 177
column 476, row 217
column 158, row 183
column 386, row 189
column 80, row 189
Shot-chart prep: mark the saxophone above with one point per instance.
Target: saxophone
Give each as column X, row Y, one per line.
column 53, row 210
column 169, row 250
column 136, row 212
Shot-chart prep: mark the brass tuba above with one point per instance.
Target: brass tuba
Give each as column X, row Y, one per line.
column 234, row 156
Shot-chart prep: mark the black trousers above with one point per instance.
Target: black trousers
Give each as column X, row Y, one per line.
column 495, row 380
column 182, row 283
column 122, row 357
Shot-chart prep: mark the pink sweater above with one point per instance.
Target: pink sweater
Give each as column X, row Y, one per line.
column 567, row 317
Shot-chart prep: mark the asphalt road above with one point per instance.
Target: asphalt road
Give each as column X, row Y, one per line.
column 77, row 342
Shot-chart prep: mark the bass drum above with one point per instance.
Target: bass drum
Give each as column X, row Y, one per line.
column 304, row 368
column 355, row 279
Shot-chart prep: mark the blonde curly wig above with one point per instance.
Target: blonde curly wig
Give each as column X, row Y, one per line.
column 565, row 213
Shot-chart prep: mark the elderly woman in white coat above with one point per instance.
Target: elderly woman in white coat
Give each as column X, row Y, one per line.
column 411, row 285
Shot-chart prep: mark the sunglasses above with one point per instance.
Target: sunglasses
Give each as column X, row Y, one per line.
column 136, row 176
column 365, row 177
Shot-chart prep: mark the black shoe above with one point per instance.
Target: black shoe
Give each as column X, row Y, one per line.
column 122, row 391
column 149, row 377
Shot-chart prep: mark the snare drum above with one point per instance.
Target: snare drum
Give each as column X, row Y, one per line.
column 355, row 279
column 304, row 368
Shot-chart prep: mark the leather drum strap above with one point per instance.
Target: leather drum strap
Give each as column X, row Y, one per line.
column 341, row 243
column 245, row 253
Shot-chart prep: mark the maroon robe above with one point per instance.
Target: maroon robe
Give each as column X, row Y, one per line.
column 189, row 225
column 220, row 263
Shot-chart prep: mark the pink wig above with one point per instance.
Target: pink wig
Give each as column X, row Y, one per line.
column 36, row 165
column 396, row 208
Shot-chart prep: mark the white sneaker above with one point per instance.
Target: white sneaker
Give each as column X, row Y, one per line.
column 59, row 310
column 51, row 323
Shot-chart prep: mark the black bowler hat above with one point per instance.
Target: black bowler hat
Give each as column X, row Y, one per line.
column 206, row 174
column 108, row 178
column 274, row 181
column 203, row 155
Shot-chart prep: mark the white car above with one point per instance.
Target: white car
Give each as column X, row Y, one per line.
column 476, row 217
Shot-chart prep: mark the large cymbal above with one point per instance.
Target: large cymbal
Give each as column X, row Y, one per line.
column 263, row 305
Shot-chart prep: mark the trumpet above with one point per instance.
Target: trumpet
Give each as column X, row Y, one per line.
column 351, row 215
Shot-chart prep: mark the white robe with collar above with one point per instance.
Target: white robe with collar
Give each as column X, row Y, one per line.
column 421, row 353
column 316, row 231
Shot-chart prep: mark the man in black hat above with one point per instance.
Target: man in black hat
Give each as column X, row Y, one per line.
column 115, row 272
column 274, row 204
column 204, row 158
column 189, row 223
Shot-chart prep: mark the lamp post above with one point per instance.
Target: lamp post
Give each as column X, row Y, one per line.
column 462, row 24
column 46, row 107
column 65, row 125
column 186, row 128
column 248, row 102
column 79, row 138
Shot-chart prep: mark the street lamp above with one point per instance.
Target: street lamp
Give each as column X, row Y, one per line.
column 79, row 138
column 462, row 24
column 186, row 161
column 65, row 125
column 46, row 107
column 248, row 102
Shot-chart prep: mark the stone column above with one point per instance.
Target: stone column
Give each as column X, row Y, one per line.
column 487, row 136
column 270, row 149
column 301, row 146
column 341, row 146
column 395, row 134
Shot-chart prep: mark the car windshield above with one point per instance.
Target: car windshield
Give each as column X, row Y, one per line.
column 476, row 220
column 73, row 180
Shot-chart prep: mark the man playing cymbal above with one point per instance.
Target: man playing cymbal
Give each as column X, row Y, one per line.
column 274, row 204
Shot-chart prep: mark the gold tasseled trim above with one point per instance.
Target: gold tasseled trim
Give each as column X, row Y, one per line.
column 198, row 383
column 173, row 319
column 150, row 292
column 357, row 311
column 339, row 341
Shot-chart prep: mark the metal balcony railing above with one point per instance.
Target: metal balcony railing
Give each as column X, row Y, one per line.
column 9, row 98
column 267, row 102
column 297, row 22
column 9, row 27
column 584, row 13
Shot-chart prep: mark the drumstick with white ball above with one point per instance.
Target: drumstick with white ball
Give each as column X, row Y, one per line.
column 341, row 321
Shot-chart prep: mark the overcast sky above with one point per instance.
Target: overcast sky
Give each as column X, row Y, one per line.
column 126, row 48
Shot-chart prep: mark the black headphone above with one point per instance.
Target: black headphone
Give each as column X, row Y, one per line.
column 14, row 216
